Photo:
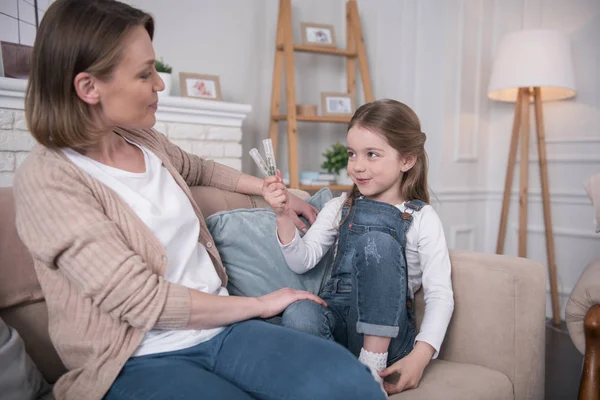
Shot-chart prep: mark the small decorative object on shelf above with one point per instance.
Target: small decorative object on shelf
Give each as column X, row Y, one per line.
column 337, row 104
column 306, row 110
column 15, row 60
column 317, row 34
column 164, row 71
column 200, row 86
column 336, row 161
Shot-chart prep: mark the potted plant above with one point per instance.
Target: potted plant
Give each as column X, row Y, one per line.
column 336, row 161
column 164, row 71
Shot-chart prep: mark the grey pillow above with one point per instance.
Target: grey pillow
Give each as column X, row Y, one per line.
column 247, row 243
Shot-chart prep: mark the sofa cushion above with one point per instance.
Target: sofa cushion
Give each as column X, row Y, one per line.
column 15, row 261
column 31, row 321
column 458, row 381
column 248, row 246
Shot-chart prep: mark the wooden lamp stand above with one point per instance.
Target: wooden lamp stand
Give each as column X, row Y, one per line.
column 520, row 132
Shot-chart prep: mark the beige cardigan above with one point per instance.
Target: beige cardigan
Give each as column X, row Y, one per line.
column 100, row 267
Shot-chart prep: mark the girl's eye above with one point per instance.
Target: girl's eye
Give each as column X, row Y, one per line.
column 350, row 154
column 371, row 154
column 146, row 76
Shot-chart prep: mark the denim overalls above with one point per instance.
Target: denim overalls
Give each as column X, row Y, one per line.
column 368, row 289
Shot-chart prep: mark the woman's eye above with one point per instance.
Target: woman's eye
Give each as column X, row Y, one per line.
column 350, row 154
column 146, row 76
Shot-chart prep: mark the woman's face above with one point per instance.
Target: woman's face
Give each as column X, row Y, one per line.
column 129, row 98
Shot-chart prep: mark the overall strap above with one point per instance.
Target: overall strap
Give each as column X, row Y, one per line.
column 415, row 205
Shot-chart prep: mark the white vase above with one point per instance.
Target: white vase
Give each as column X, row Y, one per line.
column 167, row 80
column 343, row 178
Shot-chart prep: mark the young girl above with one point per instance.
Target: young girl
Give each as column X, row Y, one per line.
column 389, row 243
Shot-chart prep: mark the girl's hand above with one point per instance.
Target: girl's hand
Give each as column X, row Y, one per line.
column 410, row 369
column 276, row 194
column 274, row 303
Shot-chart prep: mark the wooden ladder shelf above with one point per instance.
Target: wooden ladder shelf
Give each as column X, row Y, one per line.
column 284, row 56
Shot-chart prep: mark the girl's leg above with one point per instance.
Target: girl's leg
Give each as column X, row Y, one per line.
column 381, row 289
column 172, row 375
column 310, row 317
column 272, row 362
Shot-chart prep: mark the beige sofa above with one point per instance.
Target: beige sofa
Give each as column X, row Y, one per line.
column 494, row 348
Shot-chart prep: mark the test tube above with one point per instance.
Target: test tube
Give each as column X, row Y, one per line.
column 270, row 155
column 259, row 161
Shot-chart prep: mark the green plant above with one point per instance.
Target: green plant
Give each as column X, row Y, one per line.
column 336, row 158
column 162, row 66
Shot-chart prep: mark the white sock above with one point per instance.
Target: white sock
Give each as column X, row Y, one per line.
column 376, row 363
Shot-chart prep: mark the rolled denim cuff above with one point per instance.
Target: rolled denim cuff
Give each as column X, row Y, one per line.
column 377, row 330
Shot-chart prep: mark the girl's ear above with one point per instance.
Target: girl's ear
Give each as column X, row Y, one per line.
column 85, row 87
column 408, row 162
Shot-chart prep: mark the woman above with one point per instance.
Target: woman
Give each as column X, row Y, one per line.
column 134, row 285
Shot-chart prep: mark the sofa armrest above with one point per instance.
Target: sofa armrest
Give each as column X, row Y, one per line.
column 499, row 318
column 584, row 295
column 212, row 200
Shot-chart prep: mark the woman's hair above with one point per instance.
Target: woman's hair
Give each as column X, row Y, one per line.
column 75, row 36
column 400, row 126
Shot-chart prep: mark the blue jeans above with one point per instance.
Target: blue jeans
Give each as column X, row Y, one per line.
column 368, row 291
column 248, row 360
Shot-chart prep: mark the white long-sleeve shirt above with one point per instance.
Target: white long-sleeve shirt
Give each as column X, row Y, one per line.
column 427, row 258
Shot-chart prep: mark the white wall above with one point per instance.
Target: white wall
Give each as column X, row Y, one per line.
column 573, row 144
column 235, row 39
column 17, row 20
column 436, row 56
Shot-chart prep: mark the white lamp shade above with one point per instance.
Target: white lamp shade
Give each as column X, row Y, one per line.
column 533, row 58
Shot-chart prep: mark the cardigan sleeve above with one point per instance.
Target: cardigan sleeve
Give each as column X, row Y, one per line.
column 197, row 171
column 65, row 227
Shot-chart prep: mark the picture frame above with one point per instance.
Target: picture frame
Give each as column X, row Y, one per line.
column 15, row 59
column 337, row 104
column 318, row 34
column 200, row 86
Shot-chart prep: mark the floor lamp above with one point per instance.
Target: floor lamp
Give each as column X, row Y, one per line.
column 531, row 66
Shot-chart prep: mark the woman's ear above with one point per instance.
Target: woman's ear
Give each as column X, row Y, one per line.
column 408, row 162
column 85, row 87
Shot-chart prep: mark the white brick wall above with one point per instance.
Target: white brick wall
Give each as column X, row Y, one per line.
column 219, row 143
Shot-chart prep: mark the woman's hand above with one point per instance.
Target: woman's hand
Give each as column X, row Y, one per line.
column 274, row 303
column 410, row 369
column 276, row 194
column 300, row 207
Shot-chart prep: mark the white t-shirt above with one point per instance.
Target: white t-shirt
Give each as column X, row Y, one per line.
column 428, row 262
column 162, row 205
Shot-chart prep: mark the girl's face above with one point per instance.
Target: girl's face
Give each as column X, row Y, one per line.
column 374, row 166
column 129, row 97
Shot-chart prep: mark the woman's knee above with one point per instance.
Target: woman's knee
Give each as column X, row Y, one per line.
column 307, row 316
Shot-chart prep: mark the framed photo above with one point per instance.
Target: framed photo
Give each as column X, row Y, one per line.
column 15, row 59
column 200, row 86
column 317, row 34
column 337, row 104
